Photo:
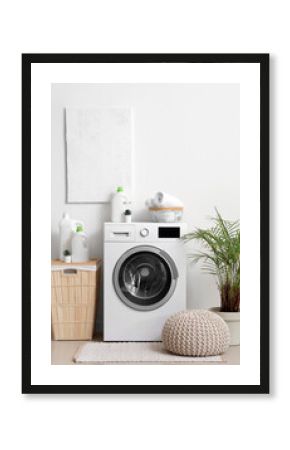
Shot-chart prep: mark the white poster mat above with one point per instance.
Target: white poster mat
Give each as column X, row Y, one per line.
column 99, row 153
column 248, row 77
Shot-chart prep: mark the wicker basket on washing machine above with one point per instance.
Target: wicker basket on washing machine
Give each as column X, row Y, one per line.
column 166, row 215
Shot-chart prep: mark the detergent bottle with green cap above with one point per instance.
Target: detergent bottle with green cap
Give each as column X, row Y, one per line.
column 79, row 244
column 118, row 205
column 66, row 228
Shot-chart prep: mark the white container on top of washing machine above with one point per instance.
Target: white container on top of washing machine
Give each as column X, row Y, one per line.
column 144, row 279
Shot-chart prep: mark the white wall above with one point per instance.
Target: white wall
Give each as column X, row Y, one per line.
column 186, row 143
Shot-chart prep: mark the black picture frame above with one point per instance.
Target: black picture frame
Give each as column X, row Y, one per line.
column 27, row 61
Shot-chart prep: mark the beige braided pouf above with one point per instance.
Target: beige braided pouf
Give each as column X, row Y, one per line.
column 196, row 333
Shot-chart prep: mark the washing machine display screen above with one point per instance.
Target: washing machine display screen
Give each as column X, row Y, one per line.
column 144, row 279
column 169, row 232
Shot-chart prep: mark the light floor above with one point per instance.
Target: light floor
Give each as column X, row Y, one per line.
column 62, row 352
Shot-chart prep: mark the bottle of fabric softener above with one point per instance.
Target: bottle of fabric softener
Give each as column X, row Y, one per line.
column 118, row 205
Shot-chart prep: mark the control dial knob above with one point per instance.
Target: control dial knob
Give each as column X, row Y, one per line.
column 144, row 232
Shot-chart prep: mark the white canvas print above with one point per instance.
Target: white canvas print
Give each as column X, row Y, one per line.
column 99, row 153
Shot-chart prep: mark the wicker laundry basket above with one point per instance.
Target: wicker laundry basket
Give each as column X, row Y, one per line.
column 74, row 297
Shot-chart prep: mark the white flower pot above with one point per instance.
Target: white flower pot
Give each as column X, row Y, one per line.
column 67, row 259
column 232, row 319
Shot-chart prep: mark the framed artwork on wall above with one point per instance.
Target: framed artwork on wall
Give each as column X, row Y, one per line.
column 184, row 138
column 104, row 135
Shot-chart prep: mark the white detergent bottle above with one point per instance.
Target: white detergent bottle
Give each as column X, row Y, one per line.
column 118, row 205
column 79, row 243
column 65, row 235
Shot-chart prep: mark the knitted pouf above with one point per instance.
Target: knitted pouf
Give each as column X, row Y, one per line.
column 196, row 333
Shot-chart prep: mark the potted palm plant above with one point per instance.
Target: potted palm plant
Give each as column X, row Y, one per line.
column 220, row 256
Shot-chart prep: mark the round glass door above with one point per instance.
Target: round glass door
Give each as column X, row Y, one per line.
column 145, row 278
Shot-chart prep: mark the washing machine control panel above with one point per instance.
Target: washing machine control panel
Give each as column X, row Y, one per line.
column 144, row 232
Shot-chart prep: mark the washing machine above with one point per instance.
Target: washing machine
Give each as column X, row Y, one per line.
column 144, row 279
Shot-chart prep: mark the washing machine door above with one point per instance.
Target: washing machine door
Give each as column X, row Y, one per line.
column 145, row 278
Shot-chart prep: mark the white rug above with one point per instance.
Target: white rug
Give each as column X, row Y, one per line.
column 134, row 353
